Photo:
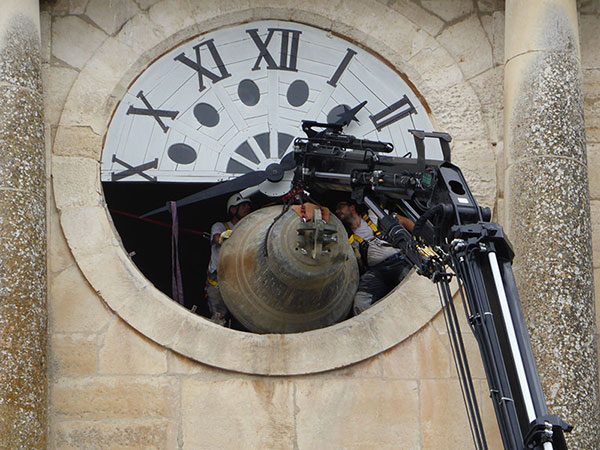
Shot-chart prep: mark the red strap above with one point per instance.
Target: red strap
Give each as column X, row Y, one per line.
column 177, row 283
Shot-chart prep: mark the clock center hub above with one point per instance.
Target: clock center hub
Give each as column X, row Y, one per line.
column 274, row 172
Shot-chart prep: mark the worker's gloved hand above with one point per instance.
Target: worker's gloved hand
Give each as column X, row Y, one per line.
column 225, row 235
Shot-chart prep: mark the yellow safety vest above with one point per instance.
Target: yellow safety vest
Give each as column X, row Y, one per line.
column 357, row 238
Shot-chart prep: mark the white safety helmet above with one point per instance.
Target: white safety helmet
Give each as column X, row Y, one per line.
column 235, row 200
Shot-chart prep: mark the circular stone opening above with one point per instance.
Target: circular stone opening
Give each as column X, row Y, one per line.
column 109, row 266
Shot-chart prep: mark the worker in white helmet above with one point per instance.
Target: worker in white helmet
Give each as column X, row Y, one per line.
column 238, row 207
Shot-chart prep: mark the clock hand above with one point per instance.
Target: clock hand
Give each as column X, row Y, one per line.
column 350, row 114
column 274, row 173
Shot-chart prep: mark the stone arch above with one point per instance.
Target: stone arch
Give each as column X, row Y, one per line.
column 95, row 243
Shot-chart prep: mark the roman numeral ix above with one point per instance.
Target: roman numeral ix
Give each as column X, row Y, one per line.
column 200, row 69
column 150, row 111
column 288, row 55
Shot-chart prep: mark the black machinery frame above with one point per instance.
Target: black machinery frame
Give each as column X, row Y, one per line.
column 453, row 237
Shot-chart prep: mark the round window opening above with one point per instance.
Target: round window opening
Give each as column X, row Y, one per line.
column 229, row 105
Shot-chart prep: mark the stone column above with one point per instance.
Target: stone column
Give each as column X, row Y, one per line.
column 22, row 230
column 548, row 212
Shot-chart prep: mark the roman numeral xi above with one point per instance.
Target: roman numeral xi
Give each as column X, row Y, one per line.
column 202, row 70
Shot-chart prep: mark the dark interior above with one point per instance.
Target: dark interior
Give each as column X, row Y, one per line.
column 149, row 241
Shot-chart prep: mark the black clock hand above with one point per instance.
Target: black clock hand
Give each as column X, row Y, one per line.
column 350, row 114
column 274, row 173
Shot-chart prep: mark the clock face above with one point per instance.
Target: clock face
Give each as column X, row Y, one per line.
column 232, row 101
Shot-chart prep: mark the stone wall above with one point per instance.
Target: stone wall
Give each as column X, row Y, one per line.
column 112, row 381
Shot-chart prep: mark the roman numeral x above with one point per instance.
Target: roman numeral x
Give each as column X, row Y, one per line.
column 131, row 170
column 150, row 111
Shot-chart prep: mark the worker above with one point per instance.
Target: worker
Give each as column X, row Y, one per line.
column 384, row 266
column 238, row 207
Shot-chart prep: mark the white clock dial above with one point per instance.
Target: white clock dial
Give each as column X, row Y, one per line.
column 233, row 100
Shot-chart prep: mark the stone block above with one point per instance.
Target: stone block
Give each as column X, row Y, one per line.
column 173, row 14
column 357, row 414
column 73, row 306
column 77, row 141
column 448, row 11
column 591, row 104
column 419, row 16
column 118, row 397
column 457, row 111
column 498, row 38
column 593, row 166
column 400, row 362
column 181, row 365
column 469, row 44
column 438, row 398
column 489, row 89
column 125, row 351
column 589, row 41
column 45, row 37
column 139, row 434
column 76, row 182
column 437, row 68
column 75, row 7
column 374, row 26
column 369, row 368
column 57, row 83
column 477, row 162
column 141, row 33
column 595, row 221
column 240, row 413
column 145, row 4
column 433, row 354
column 72, row 355
column 59, row 254
column 111, row 19
column 74, row 40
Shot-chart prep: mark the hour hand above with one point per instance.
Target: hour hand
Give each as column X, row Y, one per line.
column 350, row 114
column 274, row 173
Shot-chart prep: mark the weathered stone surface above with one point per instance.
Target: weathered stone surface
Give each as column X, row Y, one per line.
column 498, row 38
column 477, row 162
column 593, row 159
column 141, row 434
column 489, row 87
column 124, row 351
column 458, row 112
column 595, row 221
column 73, row 355
column 448, row 11
column 77, row 141
column 417, row 15
column 74, row 307
column 394, row 404
column 261, row 411
column 181, row 365
column 76, row 182
column 111, row 19
column 438, row 398
column 117, row 397
column 550, row 25
column 544, row 106
column 57, row 84
column 470, row 46
column 20, row 48
column 23, row 163
column 437, row 68
column 591, row 89
column 74, row 7
column 74, row 40
column 426, row 354
column 589, row 41
column 59, row 254
column 46, row 37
